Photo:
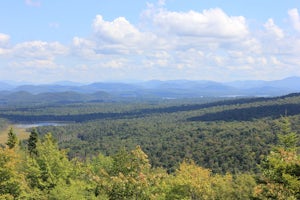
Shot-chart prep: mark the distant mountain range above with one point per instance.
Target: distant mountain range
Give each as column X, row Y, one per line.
column 70, row 91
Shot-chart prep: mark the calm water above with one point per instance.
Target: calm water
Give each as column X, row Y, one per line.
column 37, row 124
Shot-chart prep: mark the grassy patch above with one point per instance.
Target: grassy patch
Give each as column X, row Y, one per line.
column 20, row 132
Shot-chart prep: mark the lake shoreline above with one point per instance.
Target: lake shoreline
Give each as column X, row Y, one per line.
column 39, row 124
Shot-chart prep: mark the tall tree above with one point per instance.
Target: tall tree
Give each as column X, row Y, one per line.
column 32, row 142
column 12, row 139
column 49, row 167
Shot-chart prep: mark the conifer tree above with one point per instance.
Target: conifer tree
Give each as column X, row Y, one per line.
column 32, row 142
column 12, row 139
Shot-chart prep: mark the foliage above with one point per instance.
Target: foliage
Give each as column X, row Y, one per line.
column 48, row 167
column 193, row 182
column 130, row 177
column 281, row 168
column 12, row 183
column 49, row 174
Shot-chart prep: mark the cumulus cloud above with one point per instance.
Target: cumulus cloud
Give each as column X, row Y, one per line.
column 36, row 56
column 273, row 29
column 120, row 36
column 117, row 31
column 295, row 18
column 39, row 49
column 84, row 48
column 115, row 63
column 209, row 23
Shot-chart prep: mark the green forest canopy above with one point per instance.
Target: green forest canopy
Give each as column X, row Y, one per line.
column 50, row 174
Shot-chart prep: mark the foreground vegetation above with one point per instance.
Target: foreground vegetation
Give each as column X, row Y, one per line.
column 38, row 169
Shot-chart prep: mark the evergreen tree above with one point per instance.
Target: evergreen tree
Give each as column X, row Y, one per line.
column 12, row 139
column 32, row 142
column 287, row 138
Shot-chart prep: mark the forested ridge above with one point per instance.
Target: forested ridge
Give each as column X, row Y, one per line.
column 168, row 149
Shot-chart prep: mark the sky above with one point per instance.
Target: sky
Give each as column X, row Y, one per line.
column 43, row 41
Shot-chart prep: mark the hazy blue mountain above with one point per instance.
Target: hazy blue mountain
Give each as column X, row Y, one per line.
column 292, row 83
column 184, row 88
column 271, row 88
column 247, row 84
column 165, row 89
column 36, row 89
column 109, row 87
column 68, row 83
column 5, row 86
column 51, row 97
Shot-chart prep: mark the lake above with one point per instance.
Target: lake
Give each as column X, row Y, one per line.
column 37, row 124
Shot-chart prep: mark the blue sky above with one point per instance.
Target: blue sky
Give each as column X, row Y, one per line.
column 44, row 41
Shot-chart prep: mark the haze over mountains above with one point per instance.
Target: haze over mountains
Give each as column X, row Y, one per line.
column 70, row 91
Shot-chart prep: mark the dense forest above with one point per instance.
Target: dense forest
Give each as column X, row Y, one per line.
column 38, row 169
column 225, row 136
column 197, row 148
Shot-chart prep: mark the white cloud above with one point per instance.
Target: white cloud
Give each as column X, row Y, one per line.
column 36, row 57
column 79, row 42
column 120, row 37
column 210, row 23
column 115, row 64
column 295, row 19
column 273, row 29
column 117, row 31
column 207, row 31
column 39, row 49
column 158, row 58
column 84, row 48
